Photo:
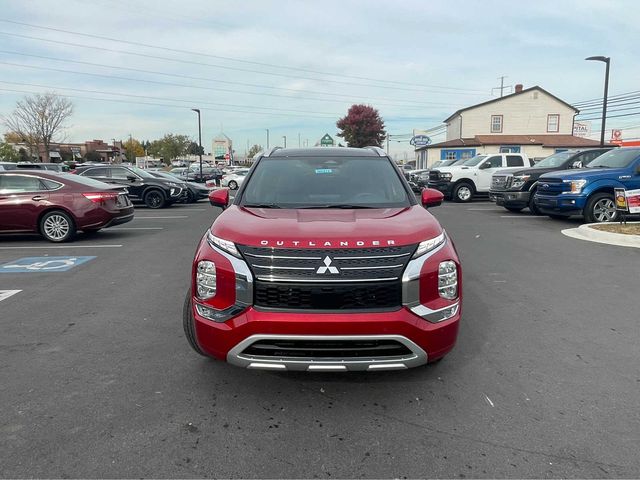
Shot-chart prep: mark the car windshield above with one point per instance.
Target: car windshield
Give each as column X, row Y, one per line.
column 472, row 162
column 554, row 160
column 325, row 182
column 140, row 172
column 87, row 181
column 615, row 158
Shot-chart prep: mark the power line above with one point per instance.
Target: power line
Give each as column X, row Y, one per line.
column 612, row 116
column 139, row 44
column 610, row 97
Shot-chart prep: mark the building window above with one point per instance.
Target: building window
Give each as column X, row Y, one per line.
column 496, row 123
column 457, row 154
column 553, row 123
column 450, row 155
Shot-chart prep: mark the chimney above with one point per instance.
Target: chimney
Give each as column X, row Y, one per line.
column 519, row 88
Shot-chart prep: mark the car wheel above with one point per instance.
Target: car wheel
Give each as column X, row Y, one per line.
column 154, row 199
column 600, row 207
column 233, row 185
column 57, row 226
column 533, row 208
column 514, row 209
column 463, row 192
column 188, row 324
column 190, row 197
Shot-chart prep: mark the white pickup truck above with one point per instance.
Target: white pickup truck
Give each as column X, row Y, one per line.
column 461, row 182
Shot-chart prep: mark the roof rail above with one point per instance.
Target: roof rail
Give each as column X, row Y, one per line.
column 270, row 151
column 378, row 150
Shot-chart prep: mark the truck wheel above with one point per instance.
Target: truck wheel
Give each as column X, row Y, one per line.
column 187, row 324
column 600, row 207
column 154, row 199
column 463, row 192
column 57, row 226
column 514, row 209
column 533, row 208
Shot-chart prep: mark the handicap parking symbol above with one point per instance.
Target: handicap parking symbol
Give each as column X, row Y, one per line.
column 43, row 264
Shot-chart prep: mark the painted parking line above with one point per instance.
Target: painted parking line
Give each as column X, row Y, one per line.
column 4, row 294
column 135, row 228
column 168, row 216
column 43, row 264
column 490, row 209
column 530, row 217
column 59, row 247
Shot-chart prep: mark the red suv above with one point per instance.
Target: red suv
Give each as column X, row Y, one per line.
column 325, row 261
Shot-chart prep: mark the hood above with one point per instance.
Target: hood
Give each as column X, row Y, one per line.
column 534, row 172
column 450, row 169
column 326, row 228
column 586, row 173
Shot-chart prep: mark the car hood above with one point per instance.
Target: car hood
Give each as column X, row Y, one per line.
column 586, row 173
column 326, row 228
column 450, row 169
column 534, row 172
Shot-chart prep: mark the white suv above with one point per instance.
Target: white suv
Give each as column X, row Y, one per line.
column 461, row 182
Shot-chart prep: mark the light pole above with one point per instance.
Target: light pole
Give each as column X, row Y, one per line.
column 197, row 110
column 284, row 137
column 606, row 60
column 267, row 138
column 298, row 140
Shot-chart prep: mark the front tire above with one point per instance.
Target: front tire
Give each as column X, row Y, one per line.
column 154, row 199
column 463, row 192
column 600, row 208
column 533, row 208
column 57, row 226
column 514, row 209
column 188, row 325
column 233, row 185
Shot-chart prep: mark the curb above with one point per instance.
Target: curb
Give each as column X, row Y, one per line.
column 586, row 232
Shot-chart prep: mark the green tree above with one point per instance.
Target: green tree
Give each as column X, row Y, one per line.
column 362, row 127
column 133, row 149
column 170, row 147
column 8, row 153
column 195, row 149
column 253, row 150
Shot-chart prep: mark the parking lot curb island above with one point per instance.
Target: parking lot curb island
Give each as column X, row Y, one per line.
column 590, row 234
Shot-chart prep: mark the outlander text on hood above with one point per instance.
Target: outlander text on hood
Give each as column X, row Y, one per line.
column 325, row 261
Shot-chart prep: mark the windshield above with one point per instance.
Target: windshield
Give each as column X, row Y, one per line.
column 89, row 182
column 615, row 159
column 472, row 162
column 554, row 160
column 140, row 172
column 340, row 182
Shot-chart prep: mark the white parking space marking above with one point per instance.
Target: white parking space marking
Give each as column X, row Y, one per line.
column 4, row 294
column 135, row 228
column 168, row 216
column 530, row 217
column 482, row 209
column 60, row 247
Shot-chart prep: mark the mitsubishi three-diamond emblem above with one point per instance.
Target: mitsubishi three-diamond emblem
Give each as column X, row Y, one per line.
column 327, row 267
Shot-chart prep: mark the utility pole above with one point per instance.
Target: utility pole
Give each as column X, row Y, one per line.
column 197, row 110
column 284, row 137
column 607, row 61
column 267, row 138
column 298, row 140
column 502, row 85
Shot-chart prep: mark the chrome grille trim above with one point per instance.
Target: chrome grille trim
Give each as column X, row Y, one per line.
column 381, row 267
column 271, row 278
column 372, row 256
column 271, row 267
column 282, row 257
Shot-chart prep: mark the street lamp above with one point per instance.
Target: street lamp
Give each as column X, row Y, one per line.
column 284, row 137
column 267, row 138
column 607, row 61
column 197, row 110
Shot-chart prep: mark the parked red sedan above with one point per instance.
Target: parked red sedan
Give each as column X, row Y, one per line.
column 57, row 205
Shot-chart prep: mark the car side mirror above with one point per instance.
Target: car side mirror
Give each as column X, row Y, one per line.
column 219, row 198
column 431, row 197
column 132, row 178
column 576, row 164
column 485, row 166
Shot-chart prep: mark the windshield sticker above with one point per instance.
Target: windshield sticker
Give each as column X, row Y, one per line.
column 324, row 170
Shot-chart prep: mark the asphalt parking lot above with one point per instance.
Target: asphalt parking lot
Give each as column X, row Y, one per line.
column 98, row 380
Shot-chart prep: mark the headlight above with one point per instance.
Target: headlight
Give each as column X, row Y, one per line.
column 518, row 181
column 448, row 280
column 576, row 185
column 173, row 184
column 429, row 245
column 222, row 244
column 206, row 279
column 445, row 176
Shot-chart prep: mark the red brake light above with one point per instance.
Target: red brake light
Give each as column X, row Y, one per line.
column 100, row 197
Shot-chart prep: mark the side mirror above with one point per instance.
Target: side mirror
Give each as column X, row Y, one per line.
column 576, row 164
column 219, row 198
column 132, row 178
column 431, row 197
column 485, row 166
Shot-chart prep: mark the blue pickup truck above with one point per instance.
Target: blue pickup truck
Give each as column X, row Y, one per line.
column 589, row 191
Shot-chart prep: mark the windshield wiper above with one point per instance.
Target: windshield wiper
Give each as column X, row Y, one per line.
column 338, row 205
column 261, row 205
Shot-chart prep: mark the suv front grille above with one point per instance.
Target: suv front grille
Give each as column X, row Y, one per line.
column 327, row 349
column 501, row 182
column 552, row 186
column 434, row 175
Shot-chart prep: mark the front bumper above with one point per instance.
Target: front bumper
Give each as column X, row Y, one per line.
column 510, row 199
column 444, row 186
column 560, row 204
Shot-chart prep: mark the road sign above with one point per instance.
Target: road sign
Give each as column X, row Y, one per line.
column 420, row 140
column 327, row 141
column 227, row 156
column 4, row 294
column 43, row 264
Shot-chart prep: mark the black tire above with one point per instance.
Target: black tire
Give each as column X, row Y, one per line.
column 514, row 209
column 233, row 185
column 533, row 208
column 57, row 226
column 187, row 324
column 154, row 199
column 600, row 207
column 190, row 197
column 463, row 192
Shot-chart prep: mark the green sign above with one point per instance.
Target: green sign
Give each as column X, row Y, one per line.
column 326, row 141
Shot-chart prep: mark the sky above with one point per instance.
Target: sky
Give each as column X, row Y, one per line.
column 138, row 67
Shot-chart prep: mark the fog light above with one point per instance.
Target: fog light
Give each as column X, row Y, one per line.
column 218, row 315
column 448, row 280
column 206, row 279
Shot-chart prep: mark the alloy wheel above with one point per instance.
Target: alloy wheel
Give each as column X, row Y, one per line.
column 464, row 193
column 604, row 210
column 56, row 227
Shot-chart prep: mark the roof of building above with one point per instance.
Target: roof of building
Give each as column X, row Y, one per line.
column 549, row 140
column 536, row 87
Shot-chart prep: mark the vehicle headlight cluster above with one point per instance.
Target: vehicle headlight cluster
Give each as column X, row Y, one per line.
column 429, row 245
column 576, row 185
column 222, row 244
column 174, row 185
column 518, row 181
column 206, row 279
column 448, row 280
column 445, row 176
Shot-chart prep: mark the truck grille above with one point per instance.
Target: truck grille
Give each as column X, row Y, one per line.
column 434, row 175
column 552, row 186
column 327, row 348
column 501, row 182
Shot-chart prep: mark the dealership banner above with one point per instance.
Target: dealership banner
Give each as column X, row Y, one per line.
column 633, row 200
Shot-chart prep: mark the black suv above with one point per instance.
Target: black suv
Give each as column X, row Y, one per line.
column 515, row 190
column 142, row 186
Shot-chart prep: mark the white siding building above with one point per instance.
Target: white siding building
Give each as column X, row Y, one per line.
column 530, row 121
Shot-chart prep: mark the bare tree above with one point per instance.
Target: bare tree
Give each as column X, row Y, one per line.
column 40, row 120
